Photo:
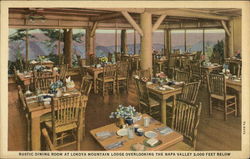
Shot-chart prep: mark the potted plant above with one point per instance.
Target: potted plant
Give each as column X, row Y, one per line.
column 124, row 113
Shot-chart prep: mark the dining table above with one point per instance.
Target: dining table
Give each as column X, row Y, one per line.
column 47, row 63
column 163, row 95
column 37, row 109
column 112, row 137
column 236, row 85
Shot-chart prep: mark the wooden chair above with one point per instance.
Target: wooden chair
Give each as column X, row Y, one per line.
column 27, row 115
column 63, row 72
column 181, row 75
column 86, row 86
column 197, row 56
column 235, row 68
column 107, row 80
column 118, row 56
column 84, row 73
column 67, row 119
column 217, row 91
column 196, row 73
column 144, row 74
column 146, row 103
column 171, row 66
column 43, row 82
column 122, row 78
column 185, row 121
column 188, row 95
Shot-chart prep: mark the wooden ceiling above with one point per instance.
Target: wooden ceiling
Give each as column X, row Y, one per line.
column 113, row 14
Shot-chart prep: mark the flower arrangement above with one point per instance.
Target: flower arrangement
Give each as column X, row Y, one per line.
column 161, row 75
column 54, row 86
column 124, row 112
column 103, row 59
column 41, row 59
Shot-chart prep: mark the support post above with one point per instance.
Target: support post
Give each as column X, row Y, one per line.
column 123, row 41
column 230, row 39
column 90, row 44
column 68, row 46
column 146, row 41
column 27, row 48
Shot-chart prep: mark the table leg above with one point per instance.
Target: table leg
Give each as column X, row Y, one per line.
column 163, row 111
column 95, row 87
column 35, row 134
column 239, row 104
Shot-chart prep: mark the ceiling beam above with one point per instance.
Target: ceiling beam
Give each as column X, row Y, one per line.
column 158, row 22
column 194, row 14
column 132, row 22
column 105, row 17
column 130, row 10
column 225, row 28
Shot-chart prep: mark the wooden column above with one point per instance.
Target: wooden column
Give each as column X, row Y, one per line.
column 167, row 42
column 134, row 41
column 230, row 39
column 123, row 41
column 90, row 44
column 27, row 49
column 146, row 40
column 68, row 46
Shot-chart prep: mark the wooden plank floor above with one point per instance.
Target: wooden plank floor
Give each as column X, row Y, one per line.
column 213, row 132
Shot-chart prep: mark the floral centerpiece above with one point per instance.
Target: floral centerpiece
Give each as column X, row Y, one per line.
column 161, row 77
column 55, row 86
column 124, row 113
column 104, row 60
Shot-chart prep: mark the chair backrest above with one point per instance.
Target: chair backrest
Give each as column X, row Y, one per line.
column 122, row 69
column 195, row 67
column 145, row 73
column 118, row 56
column 142, row 91
column 171, row 61
column 190, row 92
column 181, row 75
column 86, row 86
column 66, row 110
column 43, row 83
column 185, row 120
column 63, row 71
column 216, row 84
column 234, row 68
column 109, row 71
column 198, row 56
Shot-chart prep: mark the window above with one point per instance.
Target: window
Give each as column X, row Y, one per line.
column 43, row 42
column 213, row 37
column 178, row 40
column 158, row 40
column 194, row 40
column 17, row 44
column 78, row 47
column 130, row 41
column 105, row 42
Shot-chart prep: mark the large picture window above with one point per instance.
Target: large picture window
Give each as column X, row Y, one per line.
column 158, row 40
column 194, row 40
column 178, row 40
column 105, row 42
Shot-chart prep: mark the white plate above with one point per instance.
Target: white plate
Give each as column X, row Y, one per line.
column 150, row 134
column 122, row 132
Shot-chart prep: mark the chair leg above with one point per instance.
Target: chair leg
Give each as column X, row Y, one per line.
column 210, row 106
column 225, row 110
column 28, row 133
column 103, row 88
column 78, row 142
column 235, row 107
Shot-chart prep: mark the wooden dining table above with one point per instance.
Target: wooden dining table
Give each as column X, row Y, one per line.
column 36, row 110
column 166, row 139
column 163, row 95
column 49, row 64
column 236, row 85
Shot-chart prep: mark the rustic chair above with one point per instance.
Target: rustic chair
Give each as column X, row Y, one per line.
column 235, row 68
column 146, row 103
column 43, row 82
column 188, row 95
column 171, row 66
column 217, row 91
column 185, row 121
column 27, row 115
column 195, row 67
column 63, row 72
column 84, row 73
column 107, row 79
column 86, row 86
column 181, row 75
column 118, row 56
column 144, row 74
column 122, row 78
column 197, row 56
column 67, row 119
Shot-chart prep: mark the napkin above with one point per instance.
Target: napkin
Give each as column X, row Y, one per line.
column 114, row 145
column 164, row 130
column 103, row 133
column 168, row 87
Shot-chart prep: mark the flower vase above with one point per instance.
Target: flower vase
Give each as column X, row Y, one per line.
column 129, row 121
column 120, row 122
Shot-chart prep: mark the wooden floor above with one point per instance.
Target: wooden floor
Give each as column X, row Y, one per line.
column 213, row 132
